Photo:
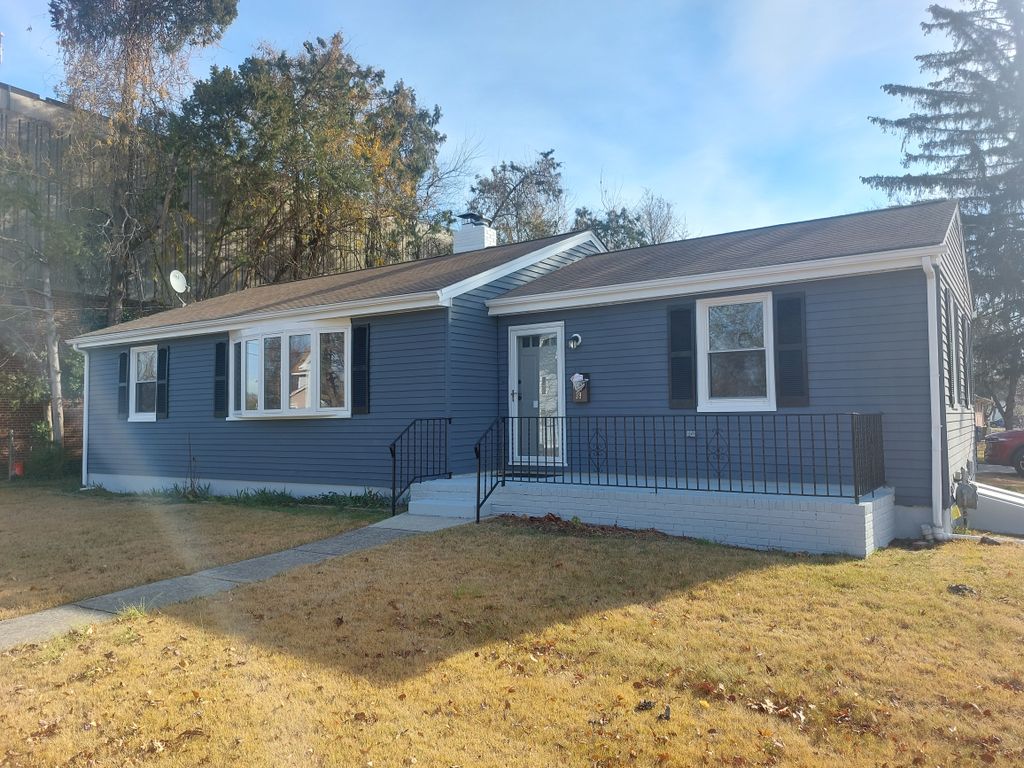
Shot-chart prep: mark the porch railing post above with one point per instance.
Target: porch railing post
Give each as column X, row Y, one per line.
column 394, row 479
column 503, row 440
column 476, row 450
column 857, row 469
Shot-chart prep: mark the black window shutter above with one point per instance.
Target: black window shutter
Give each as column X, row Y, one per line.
column 162, row 363
column 220, row 380
column 237, row 384
column 948, row 335
column 122, row 385
column 961, row 359
column 361, row 368
column 791, row 388
column 968, row 357
column 682, row 357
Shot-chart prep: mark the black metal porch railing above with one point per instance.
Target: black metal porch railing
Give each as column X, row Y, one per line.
column 830, row 455
column 420, row 452
column 491, row 452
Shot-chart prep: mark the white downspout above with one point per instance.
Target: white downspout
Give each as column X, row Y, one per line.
column 935, row 394
column 85, row 421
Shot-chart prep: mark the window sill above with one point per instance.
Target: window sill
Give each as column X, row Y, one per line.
column 287, row 416
column 142, row 417
column 734, row 406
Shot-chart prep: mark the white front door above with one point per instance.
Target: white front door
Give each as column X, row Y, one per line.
column 536, row 393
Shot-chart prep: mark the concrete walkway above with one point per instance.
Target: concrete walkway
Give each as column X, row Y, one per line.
column 44, row 625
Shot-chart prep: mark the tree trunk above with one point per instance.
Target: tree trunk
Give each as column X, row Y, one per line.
column 1010, row 405
column 53, row 360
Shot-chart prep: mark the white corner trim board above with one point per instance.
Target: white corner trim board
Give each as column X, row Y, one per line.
column 935, row 391
column 380, row 306
column 85, row 418
column 689, row 285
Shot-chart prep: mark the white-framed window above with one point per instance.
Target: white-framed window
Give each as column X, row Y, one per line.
column 735, row 353
column 297, row 372
column 142, row 383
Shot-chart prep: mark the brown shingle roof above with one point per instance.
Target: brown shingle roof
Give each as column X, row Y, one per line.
column 410, row 277
column 888, row 229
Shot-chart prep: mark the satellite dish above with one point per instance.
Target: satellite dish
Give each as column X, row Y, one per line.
column 178, row 281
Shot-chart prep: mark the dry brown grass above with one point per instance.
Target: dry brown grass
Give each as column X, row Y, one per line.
column 57, row 546
column 502, row 646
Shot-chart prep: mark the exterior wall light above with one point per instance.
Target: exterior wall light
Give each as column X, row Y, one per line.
column 575, row 341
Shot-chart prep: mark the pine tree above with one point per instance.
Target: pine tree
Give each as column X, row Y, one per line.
column 965, row 139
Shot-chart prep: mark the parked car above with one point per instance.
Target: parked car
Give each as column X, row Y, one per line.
column 1007, row 449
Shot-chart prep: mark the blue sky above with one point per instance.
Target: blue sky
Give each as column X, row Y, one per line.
column 740, row 112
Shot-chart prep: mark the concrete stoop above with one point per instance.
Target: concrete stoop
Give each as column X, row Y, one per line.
column 455, row 498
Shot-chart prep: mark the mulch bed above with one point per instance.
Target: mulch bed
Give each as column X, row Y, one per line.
column 551, row 523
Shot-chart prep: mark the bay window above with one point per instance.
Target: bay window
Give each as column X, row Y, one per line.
column 735, row 360
column 299, row 372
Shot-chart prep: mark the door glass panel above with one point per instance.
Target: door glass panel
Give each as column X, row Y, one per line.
column 539, row 431
column 299, row 361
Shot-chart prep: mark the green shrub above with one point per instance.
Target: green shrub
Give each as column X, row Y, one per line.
column 265, row 497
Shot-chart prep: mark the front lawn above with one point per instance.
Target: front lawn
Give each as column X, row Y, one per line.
column 58, row 544
column 505, row 645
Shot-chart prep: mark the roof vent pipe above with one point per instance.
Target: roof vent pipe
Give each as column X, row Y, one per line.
column 474, row 233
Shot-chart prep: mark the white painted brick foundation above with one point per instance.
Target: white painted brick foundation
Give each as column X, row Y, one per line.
column 794, row 523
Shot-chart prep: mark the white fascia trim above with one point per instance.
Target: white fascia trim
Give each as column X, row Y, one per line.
column 534, row 257
column 405, row 303
column 843, row 266
column 389, row 305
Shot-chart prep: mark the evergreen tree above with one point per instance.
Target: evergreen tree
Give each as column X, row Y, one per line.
column 618, row 228
column 522, row 201
column 965, row 139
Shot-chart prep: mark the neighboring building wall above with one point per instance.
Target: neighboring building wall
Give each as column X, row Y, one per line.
column 867, row 349
column 407, row 380
column 474, row 385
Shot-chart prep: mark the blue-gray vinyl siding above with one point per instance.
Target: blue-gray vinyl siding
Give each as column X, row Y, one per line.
column 867, row 350
column 474, row 385
column 954, row 296
column 407, row 380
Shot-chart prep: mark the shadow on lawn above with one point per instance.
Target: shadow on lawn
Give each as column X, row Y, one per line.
column 392, row 613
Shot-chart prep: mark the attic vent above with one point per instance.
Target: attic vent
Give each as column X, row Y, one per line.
column 474, row 233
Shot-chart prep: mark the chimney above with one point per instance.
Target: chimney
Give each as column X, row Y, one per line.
column 474, row 234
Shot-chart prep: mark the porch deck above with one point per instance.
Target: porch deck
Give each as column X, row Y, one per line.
column 801, row 523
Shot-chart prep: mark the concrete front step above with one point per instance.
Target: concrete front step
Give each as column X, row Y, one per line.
column 455, row 507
